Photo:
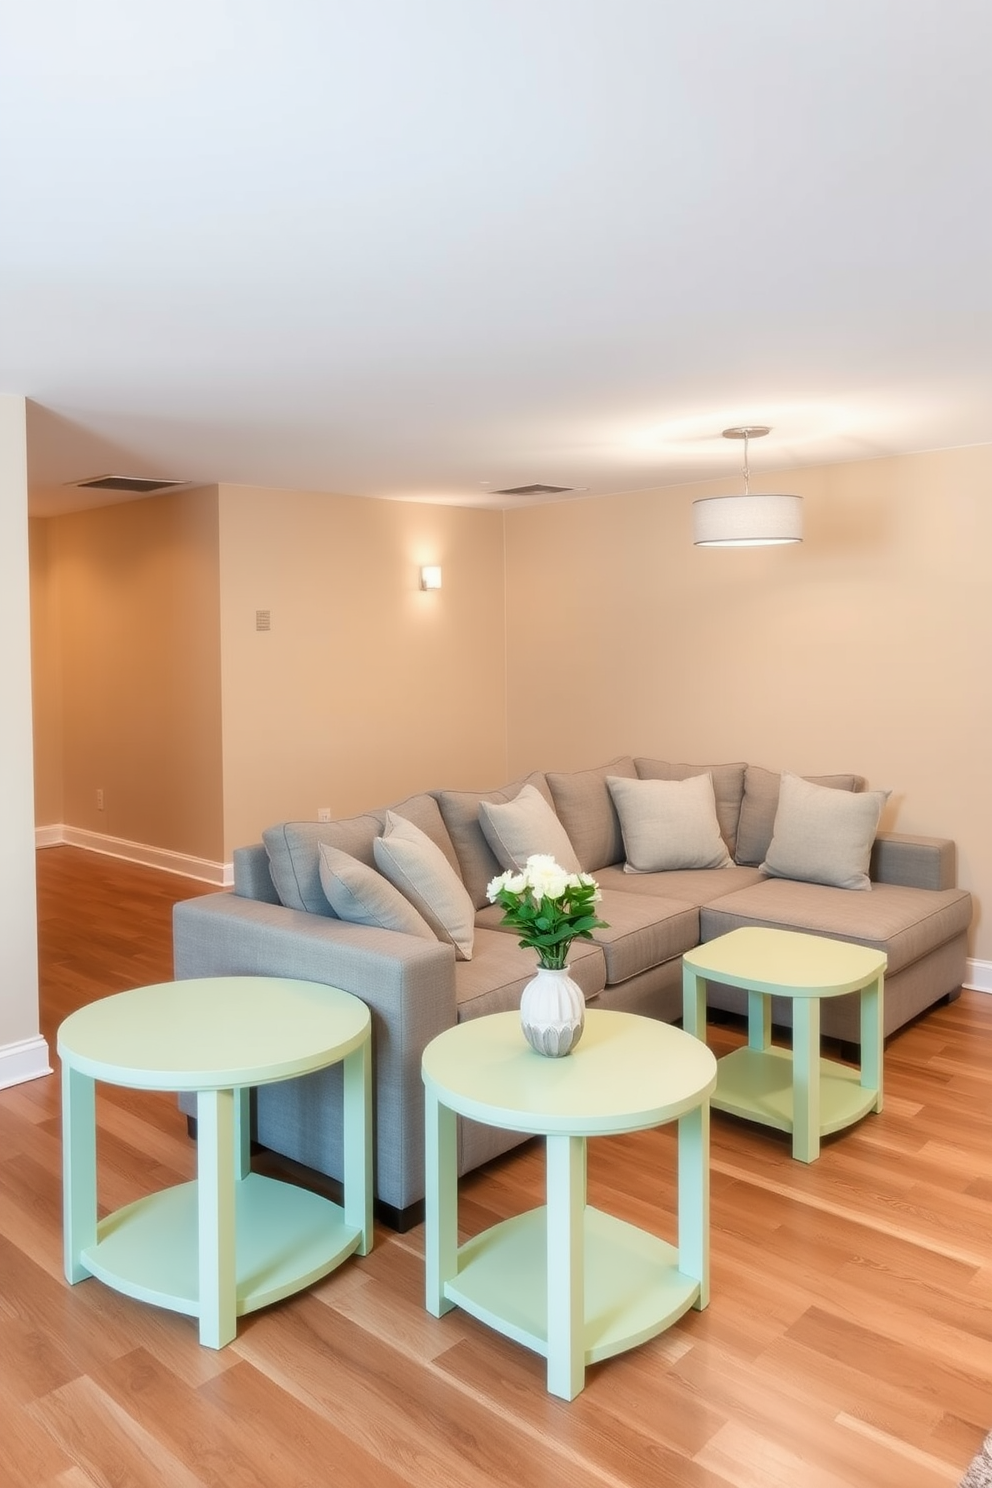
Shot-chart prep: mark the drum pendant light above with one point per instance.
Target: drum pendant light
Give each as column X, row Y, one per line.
column 747, row 521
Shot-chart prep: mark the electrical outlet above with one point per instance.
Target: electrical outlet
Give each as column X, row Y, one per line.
column 99, row 800
column 323, row 813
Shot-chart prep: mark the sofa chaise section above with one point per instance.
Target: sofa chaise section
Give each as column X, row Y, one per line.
column 913, row 912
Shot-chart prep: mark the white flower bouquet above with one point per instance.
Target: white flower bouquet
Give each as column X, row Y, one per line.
column 547, row 907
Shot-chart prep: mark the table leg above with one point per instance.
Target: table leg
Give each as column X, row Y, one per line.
column 759, row 1020
column 872, row 1037
column 78, row 1169
column 440, row 1202
column 693, row 1003
column 216, row 1217
column 242, row 1132
column 566, row 1181
column 358, row 1142
column 694, row 1198
column 806, row 1078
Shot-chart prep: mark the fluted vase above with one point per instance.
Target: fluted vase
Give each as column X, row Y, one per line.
column 552, row 1012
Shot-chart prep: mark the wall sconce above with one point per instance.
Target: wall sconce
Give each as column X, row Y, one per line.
column 430, row 576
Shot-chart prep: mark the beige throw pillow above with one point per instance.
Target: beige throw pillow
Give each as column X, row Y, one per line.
column 418, row 868
column 669, row 824
column 822, row 835
column 516, row 829
column 358, row 894
column 757, row 818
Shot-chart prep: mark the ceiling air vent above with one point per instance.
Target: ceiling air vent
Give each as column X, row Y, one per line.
column 140, row 485
column 536, row 490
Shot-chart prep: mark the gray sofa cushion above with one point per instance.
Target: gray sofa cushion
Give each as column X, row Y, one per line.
column 823, row 836
column 419, row 869
column 686, row 885
column 905, row 923
column 293, row 848
column 642, row 932
column 584, row 804
column 362, row 896
column 460, row 813
column 728, row 787
column 757, row 819
column 518, row 829
column 294, row 857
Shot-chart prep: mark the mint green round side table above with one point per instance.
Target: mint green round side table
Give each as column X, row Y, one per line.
column 566, row 1280
column 793, row 1090
column 232, row 1240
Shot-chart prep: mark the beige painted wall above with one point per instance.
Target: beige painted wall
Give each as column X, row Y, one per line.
column 365, row 688
column 136, row 592
column 866, row 648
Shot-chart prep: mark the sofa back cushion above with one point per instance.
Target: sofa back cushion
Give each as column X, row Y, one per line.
column 728, row 788
column 460, row 813
column 760, row 803
column 585, row 809
column 294, row 848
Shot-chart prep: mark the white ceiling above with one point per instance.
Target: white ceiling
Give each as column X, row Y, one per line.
column 425, row 249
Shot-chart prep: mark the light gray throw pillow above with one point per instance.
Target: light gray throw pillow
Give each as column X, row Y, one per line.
column 517, row 829
column 822, row 835
column 358, row 894
column 668, row 824
column 419, row 869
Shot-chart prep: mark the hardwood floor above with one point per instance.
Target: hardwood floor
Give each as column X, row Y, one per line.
column 848, row 1343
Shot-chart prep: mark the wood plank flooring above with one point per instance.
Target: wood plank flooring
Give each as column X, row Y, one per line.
column 848, row 1343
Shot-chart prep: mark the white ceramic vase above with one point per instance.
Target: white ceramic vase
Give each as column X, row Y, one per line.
column 552, row 1012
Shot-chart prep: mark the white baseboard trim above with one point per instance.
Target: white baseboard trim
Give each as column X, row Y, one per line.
column 220, row 874
column 978, row 976
column 25, row 1060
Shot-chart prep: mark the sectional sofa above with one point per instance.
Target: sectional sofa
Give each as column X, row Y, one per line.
column 391, row 905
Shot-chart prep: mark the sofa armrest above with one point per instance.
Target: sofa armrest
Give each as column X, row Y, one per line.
column 407, row 982
column 915, row 862
column 396, row 975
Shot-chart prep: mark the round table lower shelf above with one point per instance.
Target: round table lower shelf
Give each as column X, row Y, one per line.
column 633, row 1287
column 757, row 1084
column 287, row 1237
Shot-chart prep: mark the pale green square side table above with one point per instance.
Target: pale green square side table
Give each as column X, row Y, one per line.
column 232, row 1240
column 572, row 1283
column 794, row 1091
